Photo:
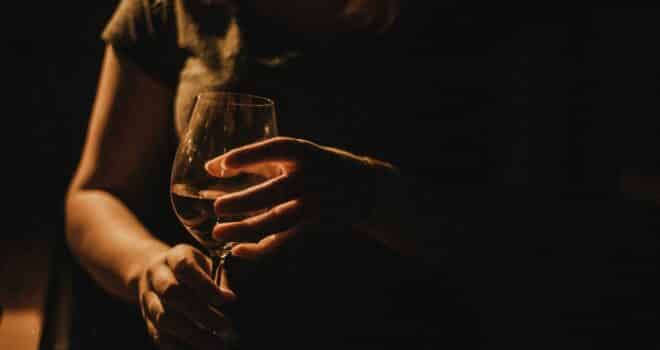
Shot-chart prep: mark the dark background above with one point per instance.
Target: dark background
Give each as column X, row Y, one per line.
column 54, row 54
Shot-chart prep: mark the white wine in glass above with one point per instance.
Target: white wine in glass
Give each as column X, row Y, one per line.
column 219, row 122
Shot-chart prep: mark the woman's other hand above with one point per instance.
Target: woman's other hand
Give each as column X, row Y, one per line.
column 175, row 293
column 317, row 184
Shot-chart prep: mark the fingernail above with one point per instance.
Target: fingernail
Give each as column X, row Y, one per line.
column 208, row 166
column 230, row 295
column 237, row 250
column 223, row 169
column 244, row 253
column 228, row 161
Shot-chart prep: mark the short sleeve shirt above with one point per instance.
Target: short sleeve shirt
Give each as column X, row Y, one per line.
column 463, row 100
column 193, row 46
column 174, row 42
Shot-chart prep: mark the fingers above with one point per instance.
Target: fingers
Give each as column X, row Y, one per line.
column 278, row 219
column 267, row 245
column 183, row 300
column 183, row 261
column 264, row 195
column 165, row 324
column 277, row 149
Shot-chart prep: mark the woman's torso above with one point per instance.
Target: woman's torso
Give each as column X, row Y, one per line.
column 457, row 97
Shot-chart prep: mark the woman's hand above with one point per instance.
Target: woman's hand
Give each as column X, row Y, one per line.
column 317, row 184
column 175, row 291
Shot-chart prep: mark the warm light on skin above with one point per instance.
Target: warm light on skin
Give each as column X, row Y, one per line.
column 21, row 328
column 24, row 271
column 296, row 197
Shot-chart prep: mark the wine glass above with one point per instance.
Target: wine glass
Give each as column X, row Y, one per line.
column 219, row 122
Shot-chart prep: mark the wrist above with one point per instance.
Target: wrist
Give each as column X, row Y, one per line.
column 390, row 218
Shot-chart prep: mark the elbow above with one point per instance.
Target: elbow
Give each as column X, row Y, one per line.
column 85, row 200
column 76, row 211
column 72, row 203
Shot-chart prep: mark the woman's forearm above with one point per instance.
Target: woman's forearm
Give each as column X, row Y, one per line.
column 109, row 241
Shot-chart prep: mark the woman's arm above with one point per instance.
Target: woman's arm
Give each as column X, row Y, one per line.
column 128, row 126
column 172, row 285
column 322, row 185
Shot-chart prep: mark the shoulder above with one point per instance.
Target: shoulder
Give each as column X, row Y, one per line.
column 154, row 17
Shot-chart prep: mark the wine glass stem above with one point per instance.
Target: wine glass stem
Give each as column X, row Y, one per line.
column 219, row 260
column 216, row 268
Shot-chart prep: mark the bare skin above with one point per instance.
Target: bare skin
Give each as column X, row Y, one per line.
column 171, row 285
column 319, row 185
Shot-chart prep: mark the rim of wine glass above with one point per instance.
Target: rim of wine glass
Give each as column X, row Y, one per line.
column 216, row 95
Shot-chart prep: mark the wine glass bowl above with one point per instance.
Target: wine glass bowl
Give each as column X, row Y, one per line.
column 219, row 122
